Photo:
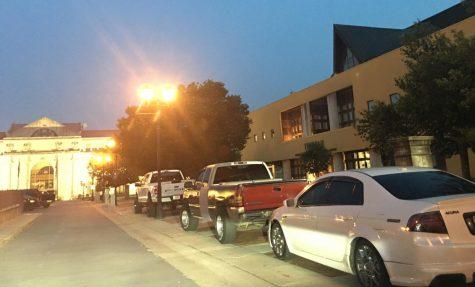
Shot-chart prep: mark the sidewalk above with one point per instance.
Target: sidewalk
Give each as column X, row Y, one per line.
column 13, row 227
column 247, row 262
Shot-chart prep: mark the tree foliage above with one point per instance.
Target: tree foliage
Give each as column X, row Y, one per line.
column 316, row 157
column 439, row 96
column 206, row 125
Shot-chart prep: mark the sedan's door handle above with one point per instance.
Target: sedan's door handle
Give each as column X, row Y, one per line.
column 277, row 188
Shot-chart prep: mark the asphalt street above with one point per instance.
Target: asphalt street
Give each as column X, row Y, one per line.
column 72, row 244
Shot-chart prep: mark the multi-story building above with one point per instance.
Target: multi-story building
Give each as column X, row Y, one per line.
column 49, row 155
column 366, row 62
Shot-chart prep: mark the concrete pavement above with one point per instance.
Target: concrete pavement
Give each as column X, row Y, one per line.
column 71, row 244
column 247, row 262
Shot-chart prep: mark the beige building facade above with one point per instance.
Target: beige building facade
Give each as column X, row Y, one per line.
column 366, row 62
column 50, row 156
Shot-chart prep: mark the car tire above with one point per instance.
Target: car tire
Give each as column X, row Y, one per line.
column 151, row 207
column 369, row 266
column 187, row 220
column 225, row 229
column 278, row 242
column 137, row 206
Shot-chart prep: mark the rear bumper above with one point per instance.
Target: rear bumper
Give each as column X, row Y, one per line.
column 170, row 198
column 249, row 220
column 428, row 274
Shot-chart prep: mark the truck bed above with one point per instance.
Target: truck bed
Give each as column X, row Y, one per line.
column 262, row 196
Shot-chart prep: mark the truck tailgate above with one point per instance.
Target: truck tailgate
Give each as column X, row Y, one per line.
column 260, row 196
column 170, row 189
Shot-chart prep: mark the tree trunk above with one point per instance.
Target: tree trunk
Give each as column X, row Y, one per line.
column 440, row 162
column 464, row 164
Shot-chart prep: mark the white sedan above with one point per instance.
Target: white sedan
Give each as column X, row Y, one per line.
column 405, row 226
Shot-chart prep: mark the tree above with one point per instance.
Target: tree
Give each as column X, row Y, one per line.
column 439, row 89
column 316, row 157
column 438, row 100
column 206, row 125
column 380, row 126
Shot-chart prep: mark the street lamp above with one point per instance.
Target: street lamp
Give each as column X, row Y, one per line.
column 147, row 94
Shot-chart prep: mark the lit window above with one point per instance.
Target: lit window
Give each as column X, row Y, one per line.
column 272, row 133
column 357, row 159
column 255, row 138
column 292, row 124
column 394, row 98
column 263, row 135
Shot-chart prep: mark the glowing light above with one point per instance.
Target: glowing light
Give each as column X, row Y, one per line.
column 168, row 93
column 146, row 92
column 111, row 144
column 108, row 158
column 98, row 159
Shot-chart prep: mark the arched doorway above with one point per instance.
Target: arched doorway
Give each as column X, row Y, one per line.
column 42, row 178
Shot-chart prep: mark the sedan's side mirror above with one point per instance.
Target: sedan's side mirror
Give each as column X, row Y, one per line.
column 289, row 202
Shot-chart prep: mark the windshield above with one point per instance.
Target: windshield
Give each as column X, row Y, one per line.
column 167, row 176
column 245, row 172
column 418, row 185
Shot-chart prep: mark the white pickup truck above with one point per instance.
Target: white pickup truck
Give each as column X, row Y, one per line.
column 172, row 183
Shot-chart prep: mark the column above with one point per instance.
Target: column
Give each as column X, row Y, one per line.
column 286, row 169
column 338, row 164
column 333, row 112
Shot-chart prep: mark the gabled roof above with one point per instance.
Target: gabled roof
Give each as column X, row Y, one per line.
column 369, row 42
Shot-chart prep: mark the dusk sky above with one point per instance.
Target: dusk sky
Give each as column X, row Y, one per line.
column 81, row 61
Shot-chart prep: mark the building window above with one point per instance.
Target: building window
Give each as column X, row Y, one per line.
column 263, row 135
column 272, row 133
column 319, row 114
column 276, row 168
column 371, row 105
column 255, row 138
column 292, row 124
column 357, row 159
column 350, row 60
column 346, row 107
column 394, row 98
column 297, row 169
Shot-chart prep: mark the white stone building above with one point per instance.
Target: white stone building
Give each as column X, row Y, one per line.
column 49, row 155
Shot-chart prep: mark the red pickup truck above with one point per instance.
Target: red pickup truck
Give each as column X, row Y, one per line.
column 235, row 196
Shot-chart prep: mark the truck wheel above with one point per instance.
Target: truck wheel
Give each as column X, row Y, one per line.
column 225, row 229
column 151, row 208
column 187, row 220
column 278, row 243
column 137, row 206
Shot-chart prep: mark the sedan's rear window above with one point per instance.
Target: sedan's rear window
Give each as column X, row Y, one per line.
column 426, row 184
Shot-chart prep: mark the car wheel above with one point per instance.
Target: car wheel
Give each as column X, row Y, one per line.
column 225, row 229
column 187, row 220
column 278, row 242
column 369, row 266
column 137, row 206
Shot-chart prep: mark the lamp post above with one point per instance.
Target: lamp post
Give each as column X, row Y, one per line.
column 163, row 98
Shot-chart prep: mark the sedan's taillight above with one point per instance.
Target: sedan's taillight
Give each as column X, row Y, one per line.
column 431, row 222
